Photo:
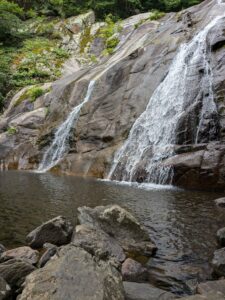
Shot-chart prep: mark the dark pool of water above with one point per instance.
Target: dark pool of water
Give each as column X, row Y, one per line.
column 183, row 224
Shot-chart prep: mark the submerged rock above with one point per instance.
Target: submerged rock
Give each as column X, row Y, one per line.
column 98, row 243
column 133, row 271
column 221, row 236
column 57, row 231
column 119, row 224
column 5, row 290
column 144, row 291
column 74, row 274
column 218, row 262
column 24, row 253
column 14, row 272
column 220, row 202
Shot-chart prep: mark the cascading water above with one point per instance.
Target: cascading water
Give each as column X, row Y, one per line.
column 60, row 144
column 153, row 135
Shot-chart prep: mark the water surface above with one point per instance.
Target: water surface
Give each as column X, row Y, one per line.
column 183, row 224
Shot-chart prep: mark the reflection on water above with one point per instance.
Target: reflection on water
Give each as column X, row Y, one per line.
column 182, row 224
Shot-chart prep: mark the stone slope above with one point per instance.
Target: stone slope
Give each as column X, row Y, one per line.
column 124, row 84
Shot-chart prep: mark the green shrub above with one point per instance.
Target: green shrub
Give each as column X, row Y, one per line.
column 11, row 130
column 156, row 15
column 35, row 92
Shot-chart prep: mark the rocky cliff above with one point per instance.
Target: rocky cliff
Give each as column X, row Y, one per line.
column 124, row 82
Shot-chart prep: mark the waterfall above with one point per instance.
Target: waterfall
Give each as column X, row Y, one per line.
column 153, row 135
column 60, row 144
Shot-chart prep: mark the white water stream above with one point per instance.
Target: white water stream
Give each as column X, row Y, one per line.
column 153, row 135
column 60, row 144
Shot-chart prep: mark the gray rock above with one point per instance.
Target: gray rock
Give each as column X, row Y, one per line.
column 144, row 291
column 221, row 236
column 98, row 243
column 133, row 271
column 218, row 262
column 216, row 287
column 74, row 274
column 23, row 253
column 2, row 249
column 49, row 253
column 220, row 202
column 202, row 297
column 5, row 290
column 15, row 271
column 119, row 224
column 57, row 231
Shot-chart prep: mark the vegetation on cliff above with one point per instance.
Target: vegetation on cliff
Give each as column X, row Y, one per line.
column 30, row 47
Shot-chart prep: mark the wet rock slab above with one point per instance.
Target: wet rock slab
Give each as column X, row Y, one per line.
column 144, row 291
column 74, row 274
column 57, row 231
column 217, row 287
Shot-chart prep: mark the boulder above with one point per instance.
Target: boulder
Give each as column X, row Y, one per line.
column 218, row 262
column 220, row 202
column 221, row 237
column 74, row 274
column 14, row 272
column 57, row 231
column 133, row 271
column 24, row 253
column 98, row 243
column 5, row 290
column 212, row 287
column 49, row 253
column 119, row 224
column 145, row 291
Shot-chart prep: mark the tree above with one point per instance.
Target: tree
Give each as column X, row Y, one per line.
column 10, row 14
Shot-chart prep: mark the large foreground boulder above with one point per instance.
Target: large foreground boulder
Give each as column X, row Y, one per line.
column 24, row 253
column 144, row 291
column 15, row 271
column 121, row 225
column 98, row 243
column 74, row 274
column 57, row 231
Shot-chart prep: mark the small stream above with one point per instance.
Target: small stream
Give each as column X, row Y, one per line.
column 183, row 224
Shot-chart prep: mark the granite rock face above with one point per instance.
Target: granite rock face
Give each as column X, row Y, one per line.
column 124, row 84
column 74, row 274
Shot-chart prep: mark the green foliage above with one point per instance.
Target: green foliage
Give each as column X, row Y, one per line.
column 38, row 61
column 108, row 34
column 156, row 14
column 11, row 130
column 86, row 38
column 35, row 92
column 10, row 23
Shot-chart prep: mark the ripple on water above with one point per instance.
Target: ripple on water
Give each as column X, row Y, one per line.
column 182, row 223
